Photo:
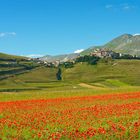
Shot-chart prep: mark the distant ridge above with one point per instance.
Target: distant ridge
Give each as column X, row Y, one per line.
column 61, row 58
column 126, row 43
column 129, row 44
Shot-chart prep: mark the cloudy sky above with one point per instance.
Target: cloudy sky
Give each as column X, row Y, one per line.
column 40, row 27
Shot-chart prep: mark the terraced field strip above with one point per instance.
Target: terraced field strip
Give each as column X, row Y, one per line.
column 90, row 86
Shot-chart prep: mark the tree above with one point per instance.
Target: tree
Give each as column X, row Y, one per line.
column 59, row 74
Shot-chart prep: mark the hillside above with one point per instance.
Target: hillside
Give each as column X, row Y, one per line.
column 127, row 44
column 11, row 65
column 125, row 72
column 89, row 50
column 13, row 57
column 115, row 74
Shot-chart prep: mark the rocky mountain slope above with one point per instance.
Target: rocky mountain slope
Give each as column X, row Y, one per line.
column 127, row 44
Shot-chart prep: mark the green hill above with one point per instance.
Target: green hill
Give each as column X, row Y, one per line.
column 114, row 74
column 11, row 65
column 12, row 57
column 118, row 71
column 18, row 73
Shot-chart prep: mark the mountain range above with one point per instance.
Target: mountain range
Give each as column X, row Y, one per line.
column 126, row 44
column 61, row 58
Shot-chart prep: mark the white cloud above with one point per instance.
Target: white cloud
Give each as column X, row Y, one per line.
column 127, row 6
column 109, row 6
column 136, row 34
column 79, row 51
column 5, row 34
column 34, row 55
column 123, row 6
column 2, row 34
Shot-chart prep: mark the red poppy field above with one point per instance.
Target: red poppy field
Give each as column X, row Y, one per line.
column 113, row 117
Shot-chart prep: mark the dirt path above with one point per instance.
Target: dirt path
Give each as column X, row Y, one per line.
column 90, row 86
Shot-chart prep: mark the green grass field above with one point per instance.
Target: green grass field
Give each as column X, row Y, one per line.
column 62, row 92
column 111, row 76
column 91, row 102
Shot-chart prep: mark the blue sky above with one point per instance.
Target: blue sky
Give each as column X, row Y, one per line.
column 40, row 27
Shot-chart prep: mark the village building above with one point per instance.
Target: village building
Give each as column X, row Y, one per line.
column 102, row 53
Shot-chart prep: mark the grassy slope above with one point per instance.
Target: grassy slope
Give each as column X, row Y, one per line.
column 115, row 77
column 37, row 75
column 7, row 56
column 41, row 74
column 116, row 74
column 11, row 65
column 121, row 72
